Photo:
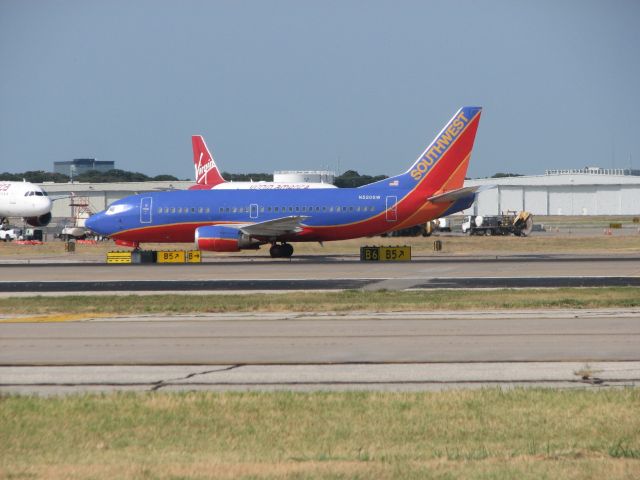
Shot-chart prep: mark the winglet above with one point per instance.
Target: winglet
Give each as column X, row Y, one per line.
column 207, row 173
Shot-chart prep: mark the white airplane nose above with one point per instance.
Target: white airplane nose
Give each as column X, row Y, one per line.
column 43, row 204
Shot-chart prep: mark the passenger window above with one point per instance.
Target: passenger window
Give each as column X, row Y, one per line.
column 324, row 209
column 160, row 210
column 221, row 209
column 331, row 209
column 173, row 209
column 261, row 209
column 351, row 209
column 234, row 210
column 200, row 209
column 206, row 210
column 291, row 209
column 268, row 209
column 193, row 209
column 317, row 209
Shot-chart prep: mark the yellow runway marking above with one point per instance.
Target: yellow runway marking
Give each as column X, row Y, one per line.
column 76, row 317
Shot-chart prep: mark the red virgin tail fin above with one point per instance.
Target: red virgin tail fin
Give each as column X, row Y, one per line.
column 207, row 173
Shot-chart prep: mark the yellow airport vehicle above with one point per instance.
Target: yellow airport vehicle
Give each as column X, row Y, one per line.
column 385, row 254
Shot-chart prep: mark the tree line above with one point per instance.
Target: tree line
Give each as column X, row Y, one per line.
column 349, row 179
column 92, row 176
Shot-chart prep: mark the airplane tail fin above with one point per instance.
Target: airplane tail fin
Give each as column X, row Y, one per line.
column 443, row 165
column 207, row 173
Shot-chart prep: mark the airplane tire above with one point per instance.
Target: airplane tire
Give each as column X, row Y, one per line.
column 281, row 251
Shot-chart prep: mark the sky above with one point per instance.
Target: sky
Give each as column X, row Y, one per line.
column 339, row 85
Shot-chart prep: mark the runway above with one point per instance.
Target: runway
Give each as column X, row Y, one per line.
column 373, row 351
column 306, row 352
column 326, row 273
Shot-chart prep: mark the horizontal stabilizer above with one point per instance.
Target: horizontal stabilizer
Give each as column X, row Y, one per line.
column 453, row 195
column 274, row 228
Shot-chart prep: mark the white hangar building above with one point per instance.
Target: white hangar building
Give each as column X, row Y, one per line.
column 587, row 191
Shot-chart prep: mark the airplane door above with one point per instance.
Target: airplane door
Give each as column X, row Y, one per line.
column 392, row 209
column 145, row 210
column 253, row 210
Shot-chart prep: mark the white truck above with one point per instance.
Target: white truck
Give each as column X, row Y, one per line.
column 511, row 223
column 9, row 234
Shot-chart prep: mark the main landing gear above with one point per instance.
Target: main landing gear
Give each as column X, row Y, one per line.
column 283, row 250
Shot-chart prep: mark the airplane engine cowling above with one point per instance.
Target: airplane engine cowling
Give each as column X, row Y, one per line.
column 223, row 239
column 39, row 221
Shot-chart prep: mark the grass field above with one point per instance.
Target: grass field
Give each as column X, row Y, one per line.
column 69, row 307
column 471, row 434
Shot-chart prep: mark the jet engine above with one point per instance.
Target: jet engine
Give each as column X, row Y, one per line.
column 223, row 239
column 39, row 221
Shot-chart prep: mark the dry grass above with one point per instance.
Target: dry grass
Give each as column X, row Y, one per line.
column 351, row 300
column 567, row 241
column 488, row 434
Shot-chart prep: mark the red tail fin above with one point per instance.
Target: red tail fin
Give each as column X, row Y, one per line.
column 207, row 173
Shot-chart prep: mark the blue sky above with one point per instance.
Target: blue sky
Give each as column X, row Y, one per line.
column 277, row 85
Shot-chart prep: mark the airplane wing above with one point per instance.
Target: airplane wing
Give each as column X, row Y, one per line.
column 453, row 195
column 274, row 228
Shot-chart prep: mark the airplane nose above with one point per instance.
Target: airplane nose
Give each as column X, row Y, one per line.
column 93, row 223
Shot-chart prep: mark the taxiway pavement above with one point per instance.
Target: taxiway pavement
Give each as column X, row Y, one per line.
column 326, row 273
column 324, row 351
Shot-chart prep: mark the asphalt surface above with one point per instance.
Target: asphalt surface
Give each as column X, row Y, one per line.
column 388, row 351
column 395, row 351
column 326, row 273
column 56, row 380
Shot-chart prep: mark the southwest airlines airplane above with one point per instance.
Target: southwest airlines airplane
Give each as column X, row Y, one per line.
column 26, row 200
column 232, row 220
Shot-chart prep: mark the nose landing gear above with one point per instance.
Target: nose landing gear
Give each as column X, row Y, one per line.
column 283, row 250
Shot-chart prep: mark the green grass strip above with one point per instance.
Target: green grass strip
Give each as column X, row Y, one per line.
column 327, row 301
column 481, row 434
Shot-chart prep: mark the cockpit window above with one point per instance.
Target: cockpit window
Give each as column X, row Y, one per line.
column 114, row 209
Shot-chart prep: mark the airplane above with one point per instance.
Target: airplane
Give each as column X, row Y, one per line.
column 208, row 175
column 233, row 220
column 26, row 200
